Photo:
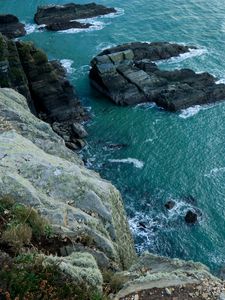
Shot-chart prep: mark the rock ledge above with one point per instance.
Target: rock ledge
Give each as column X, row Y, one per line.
column 128, row 74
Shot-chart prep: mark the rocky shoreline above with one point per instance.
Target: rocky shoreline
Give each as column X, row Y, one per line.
column 128, row 74
column 11, row 27
column 50, row 95
column 67, row 16
column 39, row 171
column 85, row 240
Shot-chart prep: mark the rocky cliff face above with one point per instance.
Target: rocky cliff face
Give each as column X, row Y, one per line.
column 50, row 95
column 38, row 170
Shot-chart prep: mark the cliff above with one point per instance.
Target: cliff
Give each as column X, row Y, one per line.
column 49, row 94
column 39, row 171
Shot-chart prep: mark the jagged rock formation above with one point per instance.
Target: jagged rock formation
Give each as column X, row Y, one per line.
column 50, row 95
column 127, row 75
column 37, row 170
column 61, row 17
column 11, row 27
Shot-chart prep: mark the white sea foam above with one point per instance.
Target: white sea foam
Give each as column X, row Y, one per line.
column 67, row 64
column 145, row 105
column 137, row 163
column 184, row 56
column 214, row 172
column 148, row 140
column 119, row 12
column 95, row 25
column 146, row 233
column 190, row 111
column 104, row 45
column 82, row 71
column 180, row 208
column 145, row 226
column 30, row 28
column 193, row 110
column 221, row 80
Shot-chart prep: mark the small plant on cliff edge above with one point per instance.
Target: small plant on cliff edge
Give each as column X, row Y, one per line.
column 113, row 281
column 21, row 223
column 40, row 57
column 26, row 277
column 17, row 236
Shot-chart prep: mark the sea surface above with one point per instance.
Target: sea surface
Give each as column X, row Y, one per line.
column 179, row 156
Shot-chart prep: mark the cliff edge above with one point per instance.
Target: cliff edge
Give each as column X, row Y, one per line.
column 39, row 171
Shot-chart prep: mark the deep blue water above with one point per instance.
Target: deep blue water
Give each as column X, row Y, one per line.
column 169, row 155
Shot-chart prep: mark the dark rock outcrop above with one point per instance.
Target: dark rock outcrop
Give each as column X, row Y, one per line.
column 67, row 25
column 11, row 27
column 50, row 95
column 128, row 75
column 62, row 17
column 169, row 204
column 191, row 217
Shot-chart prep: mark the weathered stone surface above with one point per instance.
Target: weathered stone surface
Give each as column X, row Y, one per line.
column 128, row 75
column 37, row 169
column 11, row 27
column 79, row 130
column 152, row 271
column 61, row 17
column 81, row 267
column 50, row 95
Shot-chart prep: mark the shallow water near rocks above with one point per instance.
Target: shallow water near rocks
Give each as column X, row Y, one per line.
column 165, row 155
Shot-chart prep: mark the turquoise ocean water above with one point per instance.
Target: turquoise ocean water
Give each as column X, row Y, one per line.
column 168, row 155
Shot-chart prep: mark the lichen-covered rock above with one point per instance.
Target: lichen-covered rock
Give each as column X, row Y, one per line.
column 11, row 27
column 80, row 266
column 37, row 170
column 152, row 271
column 128, row 75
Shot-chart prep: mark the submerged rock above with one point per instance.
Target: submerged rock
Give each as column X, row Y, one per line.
column 50, row 95
column 61, row 17
column 11, row 27
column 128, row 75
column 191, row 217
column 170, row 204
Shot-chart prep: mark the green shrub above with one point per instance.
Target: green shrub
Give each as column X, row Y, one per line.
column 113, row 281
column 28, row 278
column 17, row 236
column 6, row 202
column 28, row 215
column 40, row 57
column 21, row 224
